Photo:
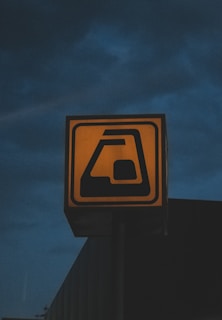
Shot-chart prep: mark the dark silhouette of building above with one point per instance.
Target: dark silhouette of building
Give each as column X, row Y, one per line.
column 178, row 276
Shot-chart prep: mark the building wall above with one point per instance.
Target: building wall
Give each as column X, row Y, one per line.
column 178, row 276
column 86, row 291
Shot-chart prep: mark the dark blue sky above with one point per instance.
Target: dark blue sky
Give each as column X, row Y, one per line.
column 84, row 57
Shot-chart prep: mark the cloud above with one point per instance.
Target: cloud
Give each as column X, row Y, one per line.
column 115, row 52
column 99, row 57
column 37, row 24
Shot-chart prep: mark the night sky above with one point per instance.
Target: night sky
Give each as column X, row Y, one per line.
column 93, row 57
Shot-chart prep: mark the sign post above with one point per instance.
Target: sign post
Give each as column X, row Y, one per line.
column 116, row 169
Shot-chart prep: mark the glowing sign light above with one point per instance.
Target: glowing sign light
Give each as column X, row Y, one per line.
column 115, row 161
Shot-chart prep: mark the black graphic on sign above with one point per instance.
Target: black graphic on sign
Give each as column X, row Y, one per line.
column 122, row 170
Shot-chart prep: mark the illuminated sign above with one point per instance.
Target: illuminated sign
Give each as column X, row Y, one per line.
column 115, row 161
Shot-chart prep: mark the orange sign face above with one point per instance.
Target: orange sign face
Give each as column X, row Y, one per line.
column 115, row 161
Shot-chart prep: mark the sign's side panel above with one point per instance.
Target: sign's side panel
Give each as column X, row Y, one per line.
column 164, row 162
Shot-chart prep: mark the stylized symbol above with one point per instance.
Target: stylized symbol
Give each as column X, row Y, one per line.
column 124, row 171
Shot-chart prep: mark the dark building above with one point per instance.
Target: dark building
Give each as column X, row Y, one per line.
column 174, row 276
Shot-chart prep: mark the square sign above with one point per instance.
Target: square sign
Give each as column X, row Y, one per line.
column 115, row 161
